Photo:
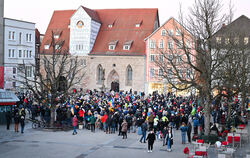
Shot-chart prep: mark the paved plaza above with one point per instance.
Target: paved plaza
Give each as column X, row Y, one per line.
column 48, row 144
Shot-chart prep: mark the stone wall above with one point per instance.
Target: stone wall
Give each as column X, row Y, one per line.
column 117, row 65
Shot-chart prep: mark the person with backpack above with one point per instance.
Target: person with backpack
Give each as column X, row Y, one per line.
column 22, row 122
column 183, row 132
column 16, row 121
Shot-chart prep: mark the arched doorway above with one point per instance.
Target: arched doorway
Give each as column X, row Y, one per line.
column 113, row 81
column 115, row 86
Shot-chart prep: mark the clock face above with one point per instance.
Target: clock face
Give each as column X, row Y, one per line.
column 79, row 24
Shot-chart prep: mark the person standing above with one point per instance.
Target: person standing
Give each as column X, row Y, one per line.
column 92, row 121
column 183, row 132
column 22, row 122
column 74, row 124
column 124, row 129
column 144, row 128
column 169, row 139
column 151, row 139
column 8, row 119
column 189, row 130
column 16, row 121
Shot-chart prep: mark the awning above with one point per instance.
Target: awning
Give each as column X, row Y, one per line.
column 7, row 98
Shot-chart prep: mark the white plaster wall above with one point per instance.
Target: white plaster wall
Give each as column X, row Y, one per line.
column 10, row 63
column 84, row 36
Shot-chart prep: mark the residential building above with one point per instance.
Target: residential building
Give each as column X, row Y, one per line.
column 162, row 45
column 106, row 40
column 19, row 51
column 235, row 37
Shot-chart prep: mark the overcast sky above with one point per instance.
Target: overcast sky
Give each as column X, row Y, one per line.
column 40, row 11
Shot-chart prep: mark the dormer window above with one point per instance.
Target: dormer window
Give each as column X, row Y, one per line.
column 111, row 47
column 113, row 44
column 138, row 23
column 46, row 46
column 57, row 34
column 111, row 23
column 127, row 45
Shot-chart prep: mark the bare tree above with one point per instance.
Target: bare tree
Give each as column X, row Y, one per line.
column 194, row 61
column 59, row 72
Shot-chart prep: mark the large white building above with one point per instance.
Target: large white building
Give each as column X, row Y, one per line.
column 19, row 49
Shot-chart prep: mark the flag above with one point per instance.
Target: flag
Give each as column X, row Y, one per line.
column 110, row 102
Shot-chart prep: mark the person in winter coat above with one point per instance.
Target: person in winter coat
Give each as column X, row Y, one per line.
column 195, row 124
column 124, row 130
column 74, row 124
column 183, row 132
column 16, row 121
column 22, row 119
column 169, row 139
column 144, row 128
column 92, row 121
column 189, row 130
column 8, row 119
column 151, row 139
column 151, row 120
column 164, row 134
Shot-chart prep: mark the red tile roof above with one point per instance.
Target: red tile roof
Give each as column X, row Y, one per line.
column 59, row 22
column 123, row 29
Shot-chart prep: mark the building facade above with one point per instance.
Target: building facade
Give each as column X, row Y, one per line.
column 1, row 44
column 109, row 42
column 162, row 45
column 19, row 51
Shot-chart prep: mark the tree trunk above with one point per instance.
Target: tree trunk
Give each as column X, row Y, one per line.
column 207, row 116
column 243, row 100
column 52, row 116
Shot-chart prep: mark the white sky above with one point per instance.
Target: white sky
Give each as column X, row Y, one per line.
column 40, row 11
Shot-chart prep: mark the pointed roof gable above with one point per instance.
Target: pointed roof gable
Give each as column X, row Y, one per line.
column 92, row 13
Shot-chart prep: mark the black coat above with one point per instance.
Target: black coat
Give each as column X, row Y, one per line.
column 151, row 138
column 170, row 137
column 8, row 117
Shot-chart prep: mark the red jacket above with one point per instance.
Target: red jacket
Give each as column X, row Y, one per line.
column 74, row 121
column 81, row 113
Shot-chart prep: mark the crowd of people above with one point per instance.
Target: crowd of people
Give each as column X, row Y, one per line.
column 127, row 112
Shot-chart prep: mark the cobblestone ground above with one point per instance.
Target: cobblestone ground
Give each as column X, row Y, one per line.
column 47, row 144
